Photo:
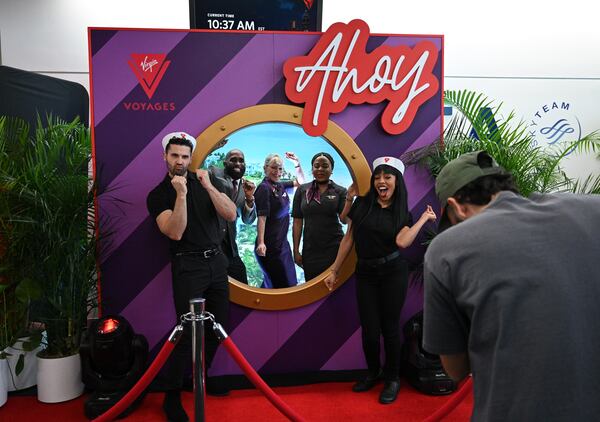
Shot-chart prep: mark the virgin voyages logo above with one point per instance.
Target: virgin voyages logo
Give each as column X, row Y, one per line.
column 339, row 71
column 149, row 70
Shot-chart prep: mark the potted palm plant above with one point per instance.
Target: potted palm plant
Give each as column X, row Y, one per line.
column 54, row 212
column 18, row 340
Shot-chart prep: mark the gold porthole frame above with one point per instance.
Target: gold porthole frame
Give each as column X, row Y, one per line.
column 315, row 289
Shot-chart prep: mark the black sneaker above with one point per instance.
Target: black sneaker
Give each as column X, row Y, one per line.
column 173, row 408
column 390, row 392
column 366, row 384
column 216, row 387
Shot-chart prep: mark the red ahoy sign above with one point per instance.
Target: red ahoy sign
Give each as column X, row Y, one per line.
column 338, row 71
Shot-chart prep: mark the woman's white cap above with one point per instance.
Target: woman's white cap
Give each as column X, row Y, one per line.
column 390, row 161
column 179, row 135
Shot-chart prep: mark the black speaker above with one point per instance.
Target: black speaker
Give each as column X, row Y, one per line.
column 423, row 370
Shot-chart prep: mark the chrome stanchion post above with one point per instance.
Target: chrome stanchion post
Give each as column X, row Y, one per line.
column 197, row 309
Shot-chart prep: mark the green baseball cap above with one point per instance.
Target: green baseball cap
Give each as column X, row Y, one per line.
column 460, row 172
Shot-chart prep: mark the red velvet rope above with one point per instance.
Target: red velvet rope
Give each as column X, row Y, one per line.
column 259, row 383
column 451, row 404
column 140, row 386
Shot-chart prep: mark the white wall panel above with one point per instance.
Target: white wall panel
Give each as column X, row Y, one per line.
column 51, row 35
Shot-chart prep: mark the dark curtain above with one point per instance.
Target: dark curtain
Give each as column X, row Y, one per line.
column 26, row 94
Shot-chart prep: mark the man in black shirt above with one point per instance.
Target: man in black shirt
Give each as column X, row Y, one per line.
column 187, row 208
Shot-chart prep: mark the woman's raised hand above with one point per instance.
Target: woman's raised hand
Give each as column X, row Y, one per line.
column 428, row 214
column 293, row 157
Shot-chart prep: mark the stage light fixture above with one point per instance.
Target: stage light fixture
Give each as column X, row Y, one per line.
column 113, row 359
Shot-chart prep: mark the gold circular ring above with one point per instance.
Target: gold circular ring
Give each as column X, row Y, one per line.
column 315, row 289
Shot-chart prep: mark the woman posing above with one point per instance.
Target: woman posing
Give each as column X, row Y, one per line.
column 318, row 208
column 380, row 226
column 273, row 251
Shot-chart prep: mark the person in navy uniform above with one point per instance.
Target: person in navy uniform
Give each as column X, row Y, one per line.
column 318, row 210
column 187, row 208
column 380, row 226
column 273, row 251
column 241, row 192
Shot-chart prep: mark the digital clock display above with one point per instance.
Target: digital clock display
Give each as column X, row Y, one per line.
column 256, row 15
column 232, row 24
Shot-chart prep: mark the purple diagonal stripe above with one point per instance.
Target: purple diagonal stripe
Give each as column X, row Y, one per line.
column 237, row 314
column 281, row 53
column 413, row 302
column 428, row 198
column 133, row 265
column 415, row 253
column 374, row 142
column 99, row 38
column 356, row 118
column 320, row 335
column 260, row 328
column 431, row 134
column 346, row 357
column 153, row 322
column 418, row 182
column 112, row 76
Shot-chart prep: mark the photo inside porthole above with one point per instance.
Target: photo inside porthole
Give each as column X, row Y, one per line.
column 287, row 146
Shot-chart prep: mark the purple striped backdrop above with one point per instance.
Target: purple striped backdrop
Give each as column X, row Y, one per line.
column 212, row 74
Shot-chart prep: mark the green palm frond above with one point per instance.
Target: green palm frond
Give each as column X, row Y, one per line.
column 591, row 185
column 589, row 143
column 481, row 126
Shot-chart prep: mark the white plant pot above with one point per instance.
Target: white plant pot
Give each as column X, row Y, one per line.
column 59, row 379
column 27, row 377
column 3, row 381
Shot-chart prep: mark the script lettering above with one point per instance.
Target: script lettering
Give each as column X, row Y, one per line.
column 338, row 71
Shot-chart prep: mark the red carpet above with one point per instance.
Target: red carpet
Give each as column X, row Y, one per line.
column 316, row 402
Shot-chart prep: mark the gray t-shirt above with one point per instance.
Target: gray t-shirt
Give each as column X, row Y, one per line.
column 517, row 287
